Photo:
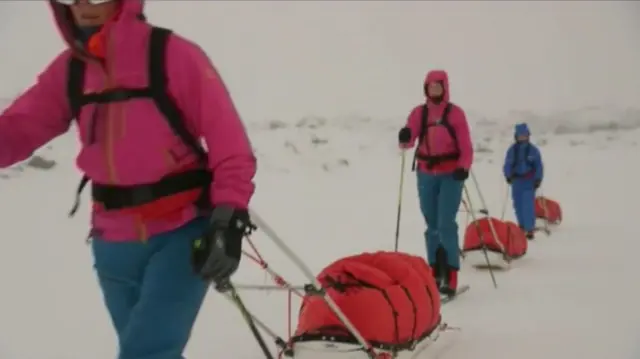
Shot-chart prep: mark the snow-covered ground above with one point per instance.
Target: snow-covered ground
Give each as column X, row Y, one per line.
column 338, row 198
column 329, row 183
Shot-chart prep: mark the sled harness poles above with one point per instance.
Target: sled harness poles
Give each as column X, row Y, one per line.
column 315, row 284
column 484, row 245
column 504, row 202
column 543, row 201
column 259, row 329
column 233, row 295
column 403, row 161
column 485, row 211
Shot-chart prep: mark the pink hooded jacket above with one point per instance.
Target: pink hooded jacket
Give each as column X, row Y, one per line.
column 439, row 141
column 134, row 143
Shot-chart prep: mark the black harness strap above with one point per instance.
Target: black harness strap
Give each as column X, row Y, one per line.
column 78, row 99
column 75, row 85
column 115, row 95
column 119, row 197
column 158, row 89
column 75, row 82
column 423, row 138
column 114, row 197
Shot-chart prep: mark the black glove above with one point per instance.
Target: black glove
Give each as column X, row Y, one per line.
column 216, row 256
column 508, row 179
column 404, row 136
column 537, row 184
column 460, row 174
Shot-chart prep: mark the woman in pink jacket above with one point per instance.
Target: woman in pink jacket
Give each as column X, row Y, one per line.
column 168, row 217
column 444, row 155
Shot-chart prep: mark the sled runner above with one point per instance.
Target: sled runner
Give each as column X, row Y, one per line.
column 548, row 210
column 338, row 350
column 490, row 242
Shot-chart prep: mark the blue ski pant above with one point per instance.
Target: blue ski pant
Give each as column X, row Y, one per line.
column 151, row 291
column 523, row 194
column 440, row 196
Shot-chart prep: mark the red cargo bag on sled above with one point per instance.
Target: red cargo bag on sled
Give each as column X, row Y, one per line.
column 548, row 209
column 511, row 241
column 390, row 298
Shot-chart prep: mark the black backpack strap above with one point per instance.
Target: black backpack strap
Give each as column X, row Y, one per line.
column 423, row 124
column 422, row 134
column 445, row 122
column 76, row 203
column 75, row 91
column 163, row 100
column 75, row 85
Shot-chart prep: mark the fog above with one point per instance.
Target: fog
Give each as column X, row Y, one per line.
column 287, row 59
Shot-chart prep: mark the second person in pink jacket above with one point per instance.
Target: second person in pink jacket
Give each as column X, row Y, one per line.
column 443, row 156
column 168, row 216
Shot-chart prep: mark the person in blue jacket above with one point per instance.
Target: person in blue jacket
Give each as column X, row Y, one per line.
column 523, row 170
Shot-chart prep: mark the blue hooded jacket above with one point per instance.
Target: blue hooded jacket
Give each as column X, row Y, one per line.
column 523, row 159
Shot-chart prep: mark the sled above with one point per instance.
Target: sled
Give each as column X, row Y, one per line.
column 490, row 243
column 548, row 210
column 380, row 305
column 391, row 298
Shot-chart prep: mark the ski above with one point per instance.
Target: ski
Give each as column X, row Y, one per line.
column 542, row 227
column 444, row 299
